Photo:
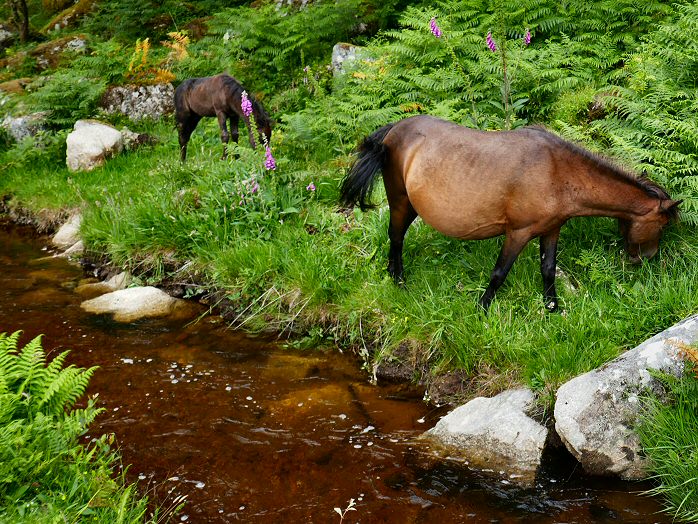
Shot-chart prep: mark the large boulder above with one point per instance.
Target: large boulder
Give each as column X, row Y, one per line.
column 128, row 305
column 595, row 413
column 90, row 144
column 139, row 102
column 495, row 434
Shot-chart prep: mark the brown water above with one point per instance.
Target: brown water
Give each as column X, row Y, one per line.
column 252, row 432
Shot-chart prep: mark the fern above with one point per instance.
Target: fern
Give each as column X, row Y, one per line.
column 38, row 431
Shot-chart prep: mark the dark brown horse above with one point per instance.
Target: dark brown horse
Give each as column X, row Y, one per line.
column 523, row 184
column 219, row 96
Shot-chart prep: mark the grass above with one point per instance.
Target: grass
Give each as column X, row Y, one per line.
column 669, row 436
column 326, row 268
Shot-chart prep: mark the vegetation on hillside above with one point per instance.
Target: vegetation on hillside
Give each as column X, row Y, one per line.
column 618, row 76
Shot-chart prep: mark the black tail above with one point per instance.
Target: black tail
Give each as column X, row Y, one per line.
column 358, row 183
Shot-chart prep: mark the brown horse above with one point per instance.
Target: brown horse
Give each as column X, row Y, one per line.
column 523, row 184
column 219, row 96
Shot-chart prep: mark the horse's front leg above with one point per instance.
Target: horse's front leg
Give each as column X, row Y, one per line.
column 223, row 124
column 514, row 242
column 548, row 264
column 402, row 214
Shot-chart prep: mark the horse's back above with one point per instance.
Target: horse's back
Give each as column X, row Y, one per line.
column 468, row 183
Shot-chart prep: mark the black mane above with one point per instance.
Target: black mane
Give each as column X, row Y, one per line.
column 610, row 168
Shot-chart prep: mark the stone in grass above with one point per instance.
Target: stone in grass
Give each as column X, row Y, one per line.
column 90, row 144
column 493, row 434
column 128, row 305
column 595, row 413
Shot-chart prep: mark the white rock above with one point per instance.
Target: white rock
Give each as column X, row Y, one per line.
column 139, row 102
column 68, row 234
column 344, row 53
column 595, row 413
column 21, row 127
column 134, row 303
column 90, row 144
column 494, row 434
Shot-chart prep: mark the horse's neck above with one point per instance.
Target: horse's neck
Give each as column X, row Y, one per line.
column 599, row 194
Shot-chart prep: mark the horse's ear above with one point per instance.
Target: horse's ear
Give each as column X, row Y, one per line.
column 668, row 205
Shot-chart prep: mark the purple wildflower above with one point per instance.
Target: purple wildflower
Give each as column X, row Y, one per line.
column 245, row 104
column 311, row 187
column 490, row 42
column 269, row 163
column 436, row 31
column 253, row 186
column 527, row 37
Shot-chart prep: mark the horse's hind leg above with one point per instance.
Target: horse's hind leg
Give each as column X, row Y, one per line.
column 514, row 242
column 548, row 256
column 402, row 214
column 223, row 124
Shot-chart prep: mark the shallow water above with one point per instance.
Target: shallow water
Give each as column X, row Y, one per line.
column 252, row 432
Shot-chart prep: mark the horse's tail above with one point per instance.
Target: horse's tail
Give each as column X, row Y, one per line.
column 357, row 185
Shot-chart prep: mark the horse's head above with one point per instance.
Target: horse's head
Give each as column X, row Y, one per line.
column 642, row 233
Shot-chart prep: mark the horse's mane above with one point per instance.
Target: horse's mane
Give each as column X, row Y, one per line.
column 236, row 89
column 610, row 168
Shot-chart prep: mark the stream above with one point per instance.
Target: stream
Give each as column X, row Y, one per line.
column 251, row 431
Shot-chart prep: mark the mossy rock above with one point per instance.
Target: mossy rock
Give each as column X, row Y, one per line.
column 69, row 17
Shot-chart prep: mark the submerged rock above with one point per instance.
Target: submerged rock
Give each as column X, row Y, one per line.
column 94, row 289
column 90, row 144
column 494, row 434
column 595, row 413
column 135, row 303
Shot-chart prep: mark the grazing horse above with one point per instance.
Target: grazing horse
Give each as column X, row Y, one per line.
column 523, row 184
column 219, row 96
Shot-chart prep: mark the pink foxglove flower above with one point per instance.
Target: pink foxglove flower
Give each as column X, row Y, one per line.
column 436, row 31
column 490, row 42
column 311, row 187
column 527, row 37
column 269, row 162
column 245, row 104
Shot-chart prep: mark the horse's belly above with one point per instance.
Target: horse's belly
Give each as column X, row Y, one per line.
column 466, row 230
column 458, row 215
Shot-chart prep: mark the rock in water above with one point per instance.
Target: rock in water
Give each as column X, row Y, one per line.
column 595, row 413
column 494, row 434
column 135, row 303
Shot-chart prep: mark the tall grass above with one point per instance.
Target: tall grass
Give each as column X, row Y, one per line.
column 669, row 436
